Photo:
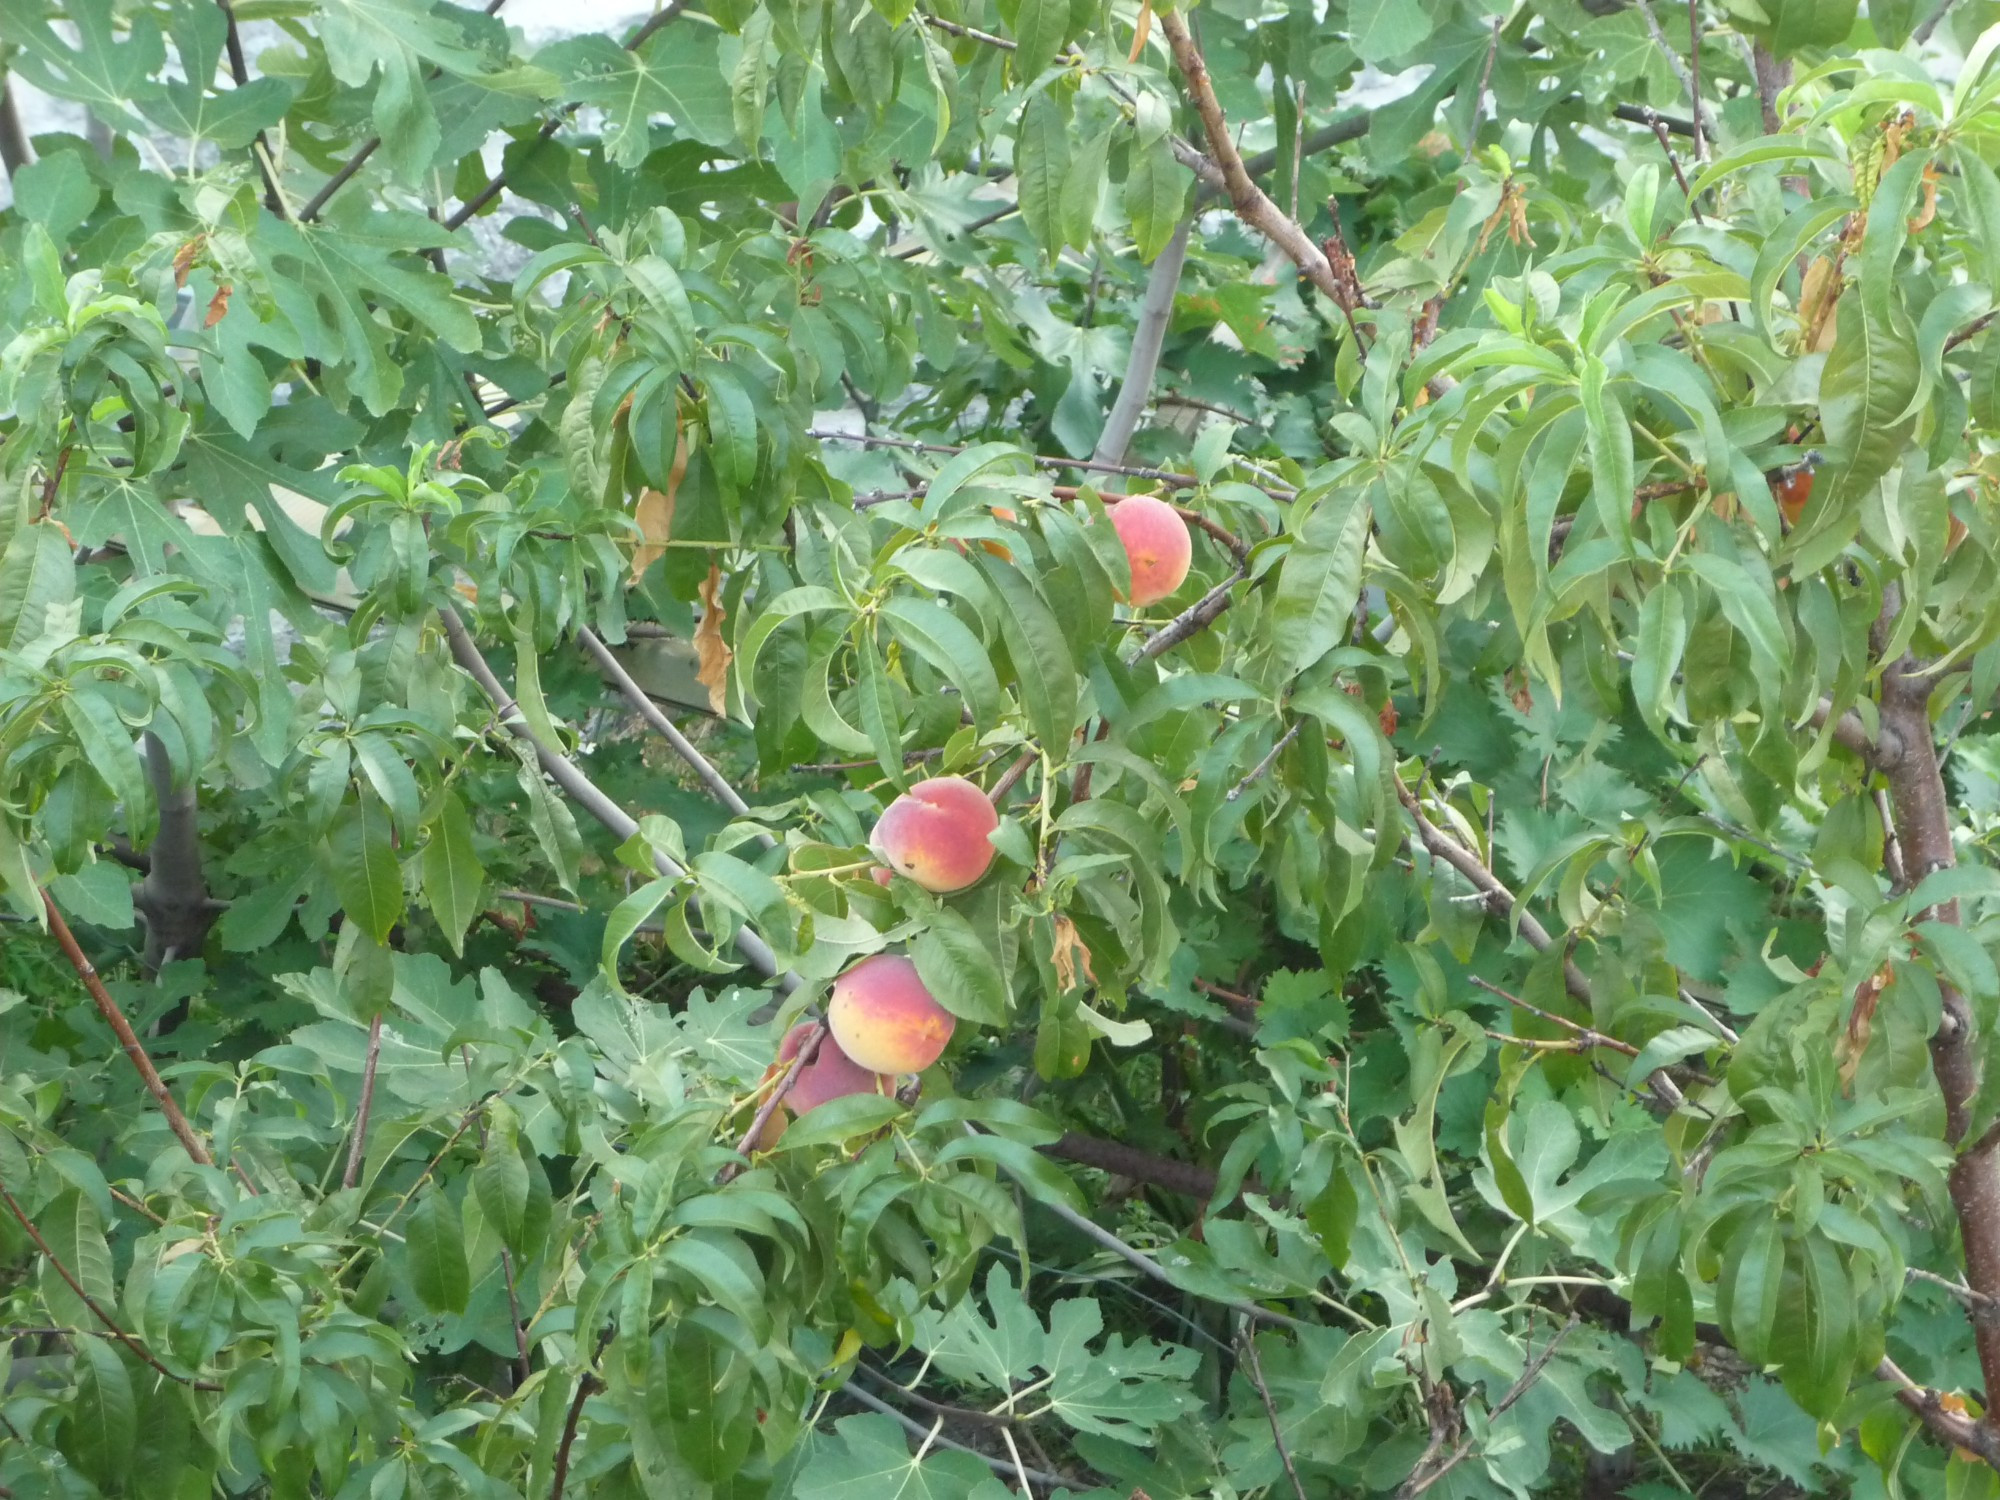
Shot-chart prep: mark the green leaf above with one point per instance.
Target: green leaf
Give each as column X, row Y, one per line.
column 1748, row 1296
column 1044, row 670
column 869, row 1459
column 1155, row 197
column 1042, row 163
column 453, row 876
column 1871, row 374
column 1384, row 30
column 101, row 72
column 1040, row 28
column 501, row 1184
column 74, row 1231
column 840, row 1120
column 941, row 638
column 103, row 1419
column 676, row 73
column 434, row 1241
column 959, row 971
column 365, row 872
column 1815, row 1340
column 1320, row 580
column 727, row 1272
column 37, row 576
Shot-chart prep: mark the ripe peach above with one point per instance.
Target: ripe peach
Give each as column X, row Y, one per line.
column 885, row 1019
column 936, row 833
column 831, row 1075
column 882, row 875
column 1157, row 543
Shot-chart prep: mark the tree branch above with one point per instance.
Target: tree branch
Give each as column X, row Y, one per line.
column 1256, row 1365
column 358, row 1147
column 647, row 709
column 1196, row 618
column 1168, row 477
column 936, row 1439
column 1504, row 903
column 174, row 895
column 15, row 153
column 580, row 789
column 96, row 1310
column 1149, row 336
column 1923, row 836
column 1954, row 1428
column 127, row 1038
column 1251, row 203
column 1414, row 1486
column 1189, row 1179
column 498, row 181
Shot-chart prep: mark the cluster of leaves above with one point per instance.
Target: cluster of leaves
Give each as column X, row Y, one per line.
column 1451, row 1007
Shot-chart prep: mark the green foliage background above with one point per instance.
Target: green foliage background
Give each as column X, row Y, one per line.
column 1500, row 1063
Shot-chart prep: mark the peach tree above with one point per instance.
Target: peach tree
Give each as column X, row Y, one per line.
column 818, row 749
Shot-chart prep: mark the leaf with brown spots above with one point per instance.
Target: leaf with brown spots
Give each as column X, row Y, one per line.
column 712, row 653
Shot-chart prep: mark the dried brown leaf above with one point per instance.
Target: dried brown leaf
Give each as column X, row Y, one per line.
column 655, row 513
column 712, row 653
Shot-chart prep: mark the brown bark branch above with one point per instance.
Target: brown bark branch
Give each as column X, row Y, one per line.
column 1189, row 1179
column 1923, row 835
column 357, row 1148
column 1196, row 618
column 1253, row 206
column 586, row 1385
column 122, row 1029
column 1951, row 1427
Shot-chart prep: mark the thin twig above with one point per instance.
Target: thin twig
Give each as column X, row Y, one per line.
column 1248, row 1344
column 1414, row 1487
column 1952, row 1428
column 1041, row 460
column 498, row 181
column 801, row 1060
column 1011, row 775
column 1688, row 81
column 1258, row 771
column 581, row 790
column 1583, row 1034
column 1660, row 134
column 96, row 1310
column 358, row 1147
column 1479, row 98
column 650, row 711
column 1930, row 24
column 127, row 1038
column 910, row 1424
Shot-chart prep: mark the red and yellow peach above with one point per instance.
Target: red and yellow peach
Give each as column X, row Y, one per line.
column 885, row 1019
column 936, row 834
column 1157, row 544
column 831, row 1075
